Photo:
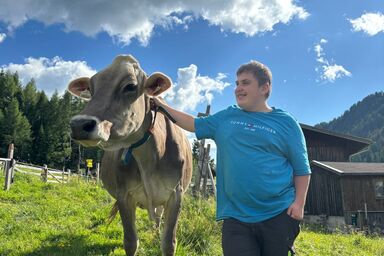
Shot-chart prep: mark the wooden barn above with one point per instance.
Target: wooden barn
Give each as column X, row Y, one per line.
column 342, row 192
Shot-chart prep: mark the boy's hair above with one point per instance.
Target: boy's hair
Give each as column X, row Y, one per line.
column 260, row 71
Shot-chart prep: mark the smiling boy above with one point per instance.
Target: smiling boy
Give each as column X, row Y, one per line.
column 262, row 167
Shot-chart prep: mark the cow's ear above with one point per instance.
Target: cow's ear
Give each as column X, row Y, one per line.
column 80, row 88
column 157, row 83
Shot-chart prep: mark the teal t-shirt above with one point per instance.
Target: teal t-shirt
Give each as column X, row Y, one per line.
column 258, row 154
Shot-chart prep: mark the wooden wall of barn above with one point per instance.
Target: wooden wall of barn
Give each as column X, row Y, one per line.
column 324, row 147
column 324, row 194
column 360, row 189
column 326, row 153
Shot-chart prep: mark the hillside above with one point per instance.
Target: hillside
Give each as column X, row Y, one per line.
column 37, row 218
column 363, row 119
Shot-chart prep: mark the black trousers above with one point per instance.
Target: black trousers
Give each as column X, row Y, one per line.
column 272, row 237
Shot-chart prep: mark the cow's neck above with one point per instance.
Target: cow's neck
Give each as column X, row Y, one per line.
column 145, row 160
column 140, row 137
column 146, row 123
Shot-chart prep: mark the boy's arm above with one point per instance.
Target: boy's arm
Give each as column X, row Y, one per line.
column 184, row 120
column 296, row 210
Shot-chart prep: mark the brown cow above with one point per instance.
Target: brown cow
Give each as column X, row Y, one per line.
column 118, row 118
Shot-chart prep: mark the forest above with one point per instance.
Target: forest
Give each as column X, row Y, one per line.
column 38, row 125
column 363, row 119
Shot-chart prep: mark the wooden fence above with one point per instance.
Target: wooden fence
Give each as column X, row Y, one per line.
column 46, row 174
column 10, row 166
column 204, row 183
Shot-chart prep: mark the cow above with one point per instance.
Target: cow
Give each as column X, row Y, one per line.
column 147, row 159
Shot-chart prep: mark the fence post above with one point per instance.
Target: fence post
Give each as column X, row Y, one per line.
column 98, row 173
column 9, row 167
column 200, row 164
column 201, row 157
column 212, row 180
column 44, row 174
column 205, row 168
column 69, row 174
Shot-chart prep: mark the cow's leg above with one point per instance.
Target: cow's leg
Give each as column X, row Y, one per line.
column 127, row 210
column 172, row 211
column 158, row 214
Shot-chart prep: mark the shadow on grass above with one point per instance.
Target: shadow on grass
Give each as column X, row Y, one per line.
column 61, row 245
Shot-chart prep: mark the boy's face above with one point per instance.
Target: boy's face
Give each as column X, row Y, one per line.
column 249, row 95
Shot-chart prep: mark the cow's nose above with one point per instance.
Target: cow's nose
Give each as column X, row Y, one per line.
column 84, row 128
column 89, row 125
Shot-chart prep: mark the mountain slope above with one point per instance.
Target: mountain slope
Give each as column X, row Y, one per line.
column 363, row 119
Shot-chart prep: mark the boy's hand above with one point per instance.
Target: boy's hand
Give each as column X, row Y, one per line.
column 296, row 211
column 159, row 102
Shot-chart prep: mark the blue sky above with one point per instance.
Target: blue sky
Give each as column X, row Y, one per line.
column 324, row 55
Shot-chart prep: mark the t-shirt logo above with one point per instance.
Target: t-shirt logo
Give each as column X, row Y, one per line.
column 253, row 127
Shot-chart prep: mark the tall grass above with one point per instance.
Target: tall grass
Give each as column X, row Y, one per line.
column 39, row 218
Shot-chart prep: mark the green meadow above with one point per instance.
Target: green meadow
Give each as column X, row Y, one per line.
column 39, row 218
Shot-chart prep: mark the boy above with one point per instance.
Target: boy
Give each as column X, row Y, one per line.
column 262, row 167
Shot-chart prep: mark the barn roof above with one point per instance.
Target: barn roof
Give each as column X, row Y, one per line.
column 336, row 134
column 351, row 168
column 352, row 144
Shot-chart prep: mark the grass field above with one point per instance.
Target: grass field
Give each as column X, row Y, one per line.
column 37, row 218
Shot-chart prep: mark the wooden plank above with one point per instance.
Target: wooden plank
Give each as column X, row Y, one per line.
column 57, row 172
column 30, row 173
column 58, row 177
column 54, row 170
column 53, row 176
column 29, row 167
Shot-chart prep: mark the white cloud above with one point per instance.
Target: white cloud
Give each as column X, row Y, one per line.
column 370, row 23
column 50, row 74
column 2, row 37
column 332, row 72
column 125, row 20
column 192, row 89
column 249, row 16
column 328, row 72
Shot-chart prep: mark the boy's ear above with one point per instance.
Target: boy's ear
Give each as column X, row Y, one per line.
column 157, row 83
column 266, row 87
column 80, row 88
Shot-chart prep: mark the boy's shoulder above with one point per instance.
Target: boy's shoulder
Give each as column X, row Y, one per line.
column 285, row 116
column 229, row 110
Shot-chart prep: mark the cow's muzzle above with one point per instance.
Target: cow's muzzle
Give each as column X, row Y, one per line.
column 89, row 128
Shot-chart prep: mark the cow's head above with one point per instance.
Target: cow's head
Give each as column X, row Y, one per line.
column 117, row 105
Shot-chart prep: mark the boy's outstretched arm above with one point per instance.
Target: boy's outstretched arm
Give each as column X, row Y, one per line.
column 184, row 120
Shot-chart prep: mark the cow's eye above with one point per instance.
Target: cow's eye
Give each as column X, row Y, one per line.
column 129, row 88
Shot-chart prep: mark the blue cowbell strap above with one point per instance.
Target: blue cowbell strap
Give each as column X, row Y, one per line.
column 127, row 153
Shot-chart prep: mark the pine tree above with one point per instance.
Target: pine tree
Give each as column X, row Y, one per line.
column 16, row 129
column 39, row 143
